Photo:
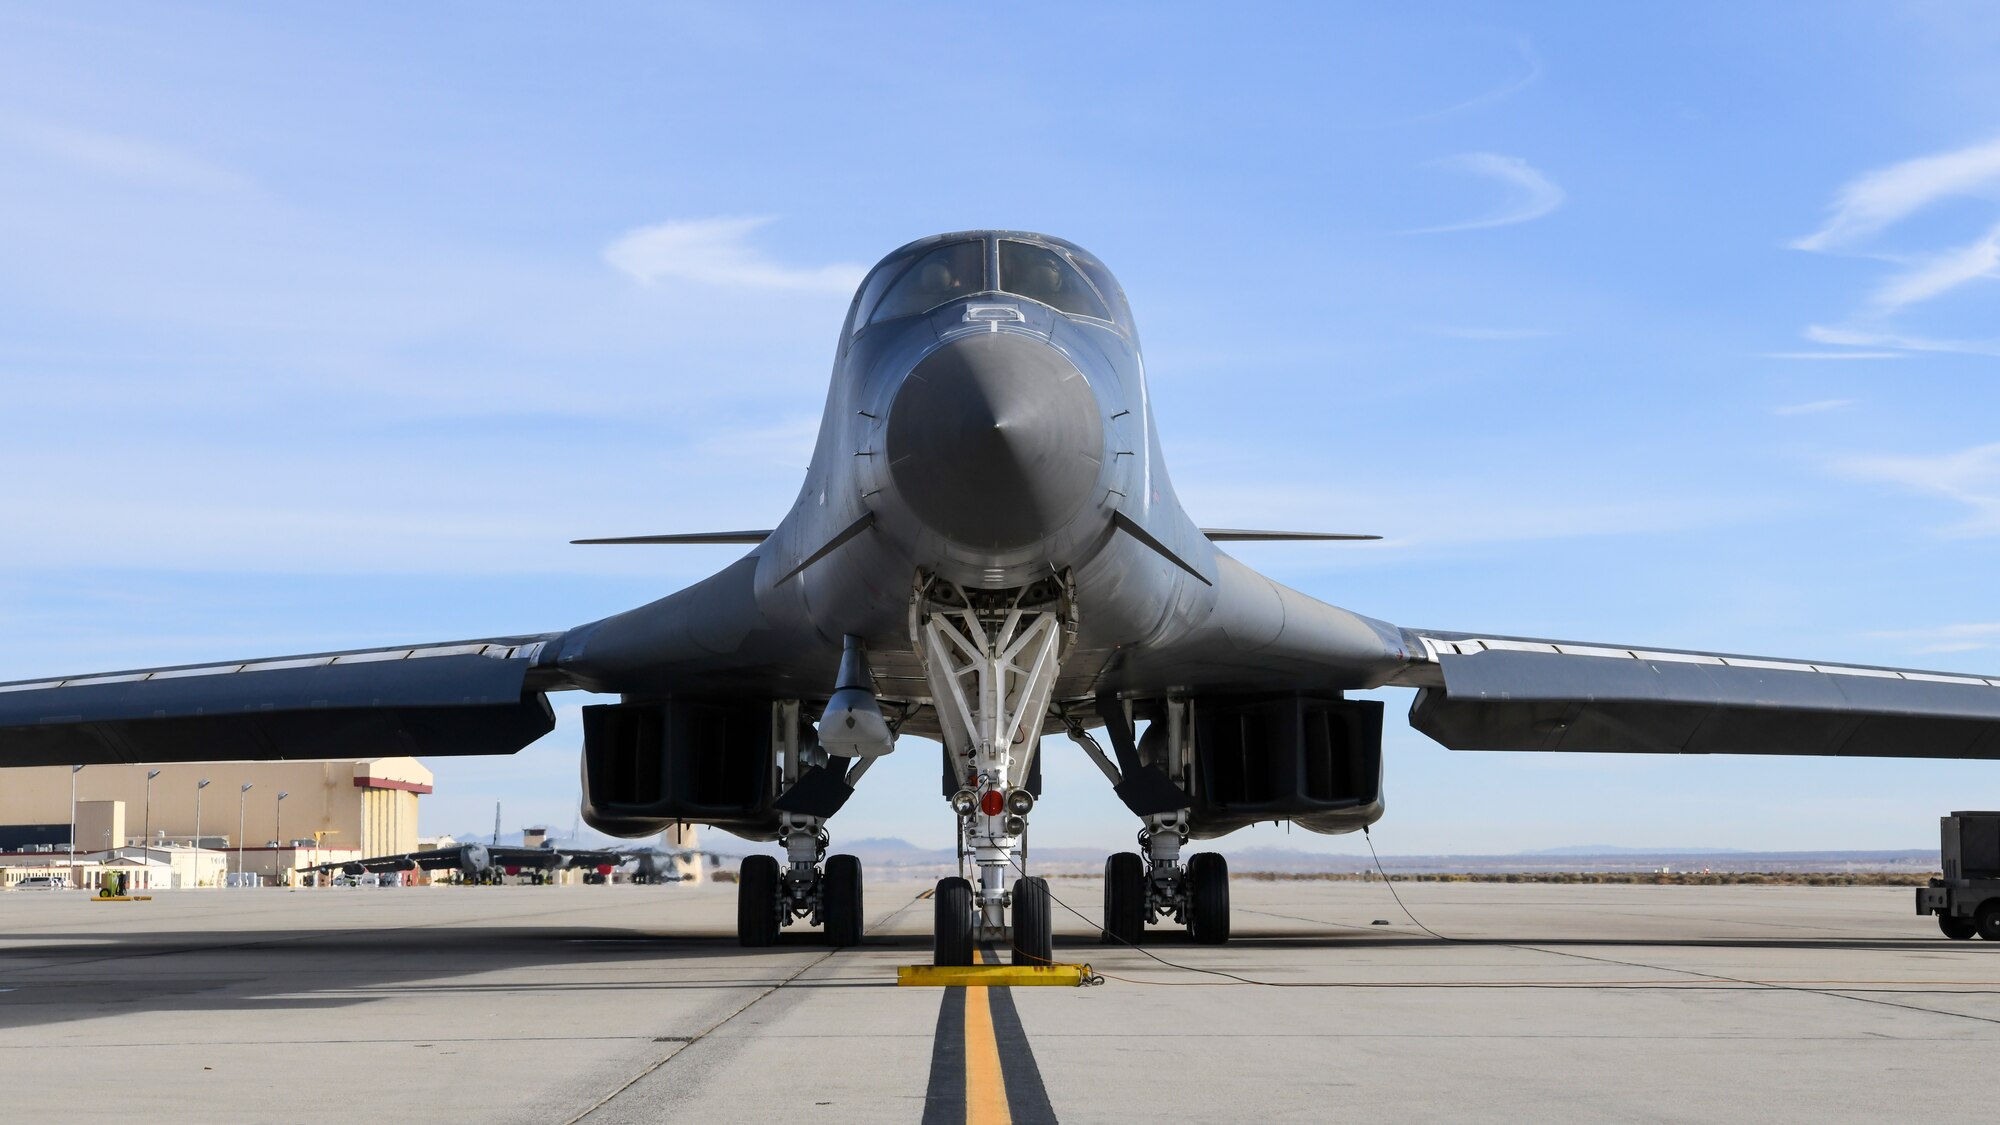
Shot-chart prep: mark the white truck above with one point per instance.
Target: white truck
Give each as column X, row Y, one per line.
column 1967, row 900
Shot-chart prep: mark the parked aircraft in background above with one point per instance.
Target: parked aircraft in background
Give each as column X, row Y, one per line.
column 988, row 549
column 494, row 863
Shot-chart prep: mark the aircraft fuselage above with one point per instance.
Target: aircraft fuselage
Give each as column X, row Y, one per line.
column 995, row 441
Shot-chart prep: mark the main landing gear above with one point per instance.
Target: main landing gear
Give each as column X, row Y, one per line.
column 1154, row 776
column 823, row 890
column 1146, row 886
column 812, row 886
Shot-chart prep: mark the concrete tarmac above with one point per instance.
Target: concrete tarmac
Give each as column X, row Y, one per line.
column 634, row 1004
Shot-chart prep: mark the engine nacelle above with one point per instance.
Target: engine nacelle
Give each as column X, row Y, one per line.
column 647, row 766
column 1312, row 760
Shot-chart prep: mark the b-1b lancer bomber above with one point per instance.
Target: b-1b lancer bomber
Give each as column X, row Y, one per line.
column 988, row 550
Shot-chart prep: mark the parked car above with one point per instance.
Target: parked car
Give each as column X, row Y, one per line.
column 43, row 883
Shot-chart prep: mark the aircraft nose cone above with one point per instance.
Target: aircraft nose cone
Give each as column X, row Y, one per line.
column 994, row 440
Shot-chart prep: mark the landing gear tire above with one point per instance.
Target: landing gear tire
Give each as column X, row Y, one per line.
column 840, row 900
column 1124, row 899
column 952, row 932
column 1987, row 919
column 1208, row 898
column 1957, row 929
column 1034, row 940
column 757, row 901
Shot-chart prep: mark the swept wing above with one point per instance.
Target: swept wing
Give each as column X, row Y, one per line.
column 1516, row 693
column 461, row 697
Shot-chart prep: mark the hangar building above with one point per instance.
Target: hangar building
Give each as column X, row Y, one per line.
column 356, row 805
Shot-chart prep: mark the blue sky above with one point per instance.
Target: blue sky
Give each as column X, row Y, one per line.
column 1664, row 325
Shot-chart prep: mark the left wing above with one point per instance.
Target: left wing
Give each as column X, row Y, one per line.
column 463, row 697
column 1513, row 693
column 433, row 860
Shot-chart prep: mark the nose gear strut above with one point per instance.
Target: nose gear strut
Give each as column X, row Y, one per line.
column 991, row 658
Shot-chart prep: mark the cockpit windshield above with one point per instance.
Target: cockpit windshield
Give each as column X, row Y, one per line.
column 945, row 273
column 1040, row 274
column 1061, row 277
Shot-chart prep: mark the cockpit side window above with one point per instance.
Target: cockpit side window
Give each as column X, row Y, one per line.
column 945, row 273
column 1040, row 274
column 1107, row 285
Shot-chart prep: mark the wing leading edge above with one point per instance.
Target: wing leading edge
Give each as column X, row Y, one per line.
column 468, row 697
column 1511, row 693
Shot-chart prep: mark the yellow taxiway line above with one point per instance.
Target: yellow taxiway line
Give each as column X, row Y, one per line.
column 985, row 1082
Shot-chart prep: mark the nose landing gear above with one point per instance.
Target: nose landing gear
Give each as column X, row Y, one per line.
column 991, row 659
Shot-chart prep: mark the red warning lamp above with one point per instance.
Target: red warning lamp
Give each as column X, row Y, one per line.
column 991, row 802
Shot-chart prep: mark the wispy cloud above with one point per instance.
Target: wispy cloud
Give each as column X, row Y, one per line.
column 1820, row 407
column 1967, row 637
column 1969, row 476
column 1938, row 273
column 1531, row 194
column 1461, row 333
column 129, row 158
column 717, row 252
column 1531, row 73
column 1867, row 207
column 1853, row 337
column 1874, row 200
column 1808, row 356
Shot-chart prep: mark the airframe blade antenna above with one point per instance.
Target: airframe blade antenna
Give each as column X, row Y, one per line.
column 1238, row 535
column 696, row 537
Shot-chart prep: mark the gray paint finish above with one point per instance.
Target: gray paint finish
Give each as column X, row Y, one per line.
column 978, row 433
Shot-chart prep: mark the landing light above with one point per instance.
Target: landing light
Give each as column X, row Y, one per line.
column 1020, row 801
column 964, row 801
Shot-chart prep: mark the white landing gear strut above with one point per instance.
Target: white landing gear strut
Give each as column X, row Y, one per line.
column 991, row 659
column 812, row 886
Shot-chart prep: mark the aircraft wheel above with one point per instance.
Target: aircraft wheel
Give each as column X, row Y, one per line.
column 1124, row 899
column 1208, row 898
column 757, row 901
column 1034, row 942
column 1987, row 919
column 840, row 900
column 1957, row 929
column 951, row 932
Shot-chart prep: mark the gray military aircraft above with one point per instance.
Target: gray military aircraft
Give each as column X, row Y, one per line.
column 988, row 549
column 486, row 863
column 493, row 863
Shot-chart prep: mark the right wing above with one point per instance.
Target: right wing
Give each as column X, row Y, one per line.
column 465, row 697
column 1512, row 693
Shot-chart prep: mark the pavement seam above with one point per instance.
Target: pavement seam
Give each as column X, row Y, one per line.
column 705, row 1032
column 1838, row 994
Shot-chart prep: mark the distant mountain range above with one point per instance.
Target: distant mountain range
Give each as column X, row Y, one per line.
column 890, row 853
column 896, row 853
column 1613, row 849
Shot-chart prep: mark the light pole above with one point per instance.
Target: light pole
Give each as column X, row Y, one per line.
column 279, row 832
column 242, row 795
column 147, row 839
column 198, row 787
column 73, row 771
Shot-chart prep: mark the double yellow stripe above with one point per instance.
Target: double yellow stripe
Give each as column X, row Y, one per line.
column 985, row 1084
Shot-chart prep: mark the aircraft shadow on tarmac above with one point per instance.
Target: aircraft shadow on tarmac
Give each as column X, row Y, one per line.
column 57, row 978
column 64, row 977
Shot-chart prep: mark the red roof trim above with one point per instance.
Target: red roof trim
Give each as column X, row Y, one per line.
column 388, row 783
